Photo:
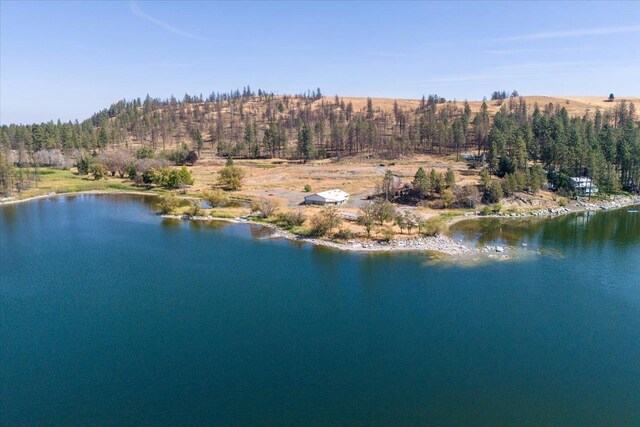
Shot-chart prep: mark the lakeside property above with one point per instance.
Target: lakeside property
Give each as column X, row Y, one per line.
column 434, row 240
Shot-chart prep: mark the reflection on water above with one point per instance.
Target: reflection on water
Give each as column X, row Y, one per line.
column 207, row 225
column 579, row 230
column 208, row 323
column 260, row 231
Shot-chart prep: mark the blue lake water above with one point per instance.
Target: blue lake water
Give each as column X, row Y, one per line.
column 112, row 315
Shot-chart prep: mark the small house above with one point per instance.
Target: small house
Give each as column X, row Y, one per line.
column 584, row 186
column 330, row 197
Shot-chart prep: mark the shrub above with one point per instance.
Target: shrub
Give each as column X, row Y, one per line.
column 485, row 211
column 83, row 164
column 216, row 198
column 432, row 226
column 144, row 153
column 168, row 204
column 231, row 178
column 307, row 188
column 178, row 157
column 387, row 233
column 178, row 178
column 343, row 234
column 181, row 156
column 195, row 209
column 468, row 196
column 168, row 178
column 290, row 219
column 325, row 221
column 132, row 171
column 264, row 207
column 97, row 170
column 448, row 197
column 148, row 176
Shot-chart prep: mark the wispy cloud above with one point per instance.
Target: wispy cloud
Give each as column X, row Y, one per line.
column 507, row 72
column 135, row 9
column 571, row 33
column 536, row 50
column 532, row 71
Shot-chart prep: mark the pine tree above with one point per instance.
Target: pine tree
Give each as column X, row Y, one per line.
column 305, row 142
column 421, row 183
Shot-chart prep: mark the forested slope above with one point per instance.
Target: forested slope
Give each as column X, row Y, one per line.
column 511, row 133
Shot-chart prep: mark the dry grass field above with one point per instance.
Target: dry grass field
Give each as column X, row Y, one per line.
column 575, row 105
column 283, row 181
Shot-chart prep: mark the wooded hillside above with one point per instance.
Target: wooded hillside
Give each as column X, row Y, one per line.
column 510, row 132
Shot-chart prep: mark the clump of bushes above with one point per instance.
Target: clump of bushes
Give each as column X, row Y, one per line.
column 97, row 170
column 195, row 209
column 432, row 226
column 231, row 177
column 387, row 233
column 468, row 196
column 290, row 219
column 264, row 208
column 343, row 234
column 216, row 198
column 181, row 156
column 325, row 221
column 144, row 153
column 168, row 204
column 168, row 177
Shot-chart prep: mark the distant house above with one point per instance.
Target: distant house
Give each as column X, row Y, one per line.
column 330, row 197
column 583, row 186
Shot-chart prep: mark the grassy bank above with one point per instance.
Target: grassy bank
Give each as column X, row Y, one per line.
column 65, row 181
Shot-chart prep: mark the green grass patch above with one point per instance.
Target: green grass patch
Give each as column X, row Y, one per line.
column 302, row 231
column 65, row 181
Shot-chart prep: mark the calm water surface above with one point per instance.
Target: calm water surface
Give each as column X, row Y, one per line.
column 111, row 315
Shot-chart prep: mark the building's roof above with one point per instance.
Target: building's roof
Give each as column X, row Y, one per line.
column 582, row 181
column 334, row 195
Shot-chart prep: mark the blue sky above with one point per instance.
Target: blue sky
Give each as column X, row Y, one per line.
column 69, row 59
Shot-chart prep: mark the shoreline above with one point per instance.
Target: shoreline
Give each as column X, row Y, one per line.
column 616, row 202
column 439, row 244
column 53, row 194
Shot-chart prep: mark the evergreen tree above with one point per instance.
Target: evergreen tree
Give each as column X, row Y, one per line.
column 421, row 183
column 305, row 142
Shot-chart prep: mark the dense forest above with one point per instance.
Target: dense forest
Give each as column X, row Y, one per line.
column 604, row 145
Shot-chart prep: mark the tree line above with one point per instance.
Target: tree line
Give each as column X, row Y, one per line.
column 245, row 124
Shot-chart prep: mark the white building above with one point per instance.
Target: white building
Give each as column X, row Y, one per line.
column 584, row 186
column 330, row 197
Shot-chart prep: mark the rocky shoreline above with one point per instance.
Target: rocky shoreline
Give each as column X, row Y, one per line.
column 616, row 202
column 442, row 244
